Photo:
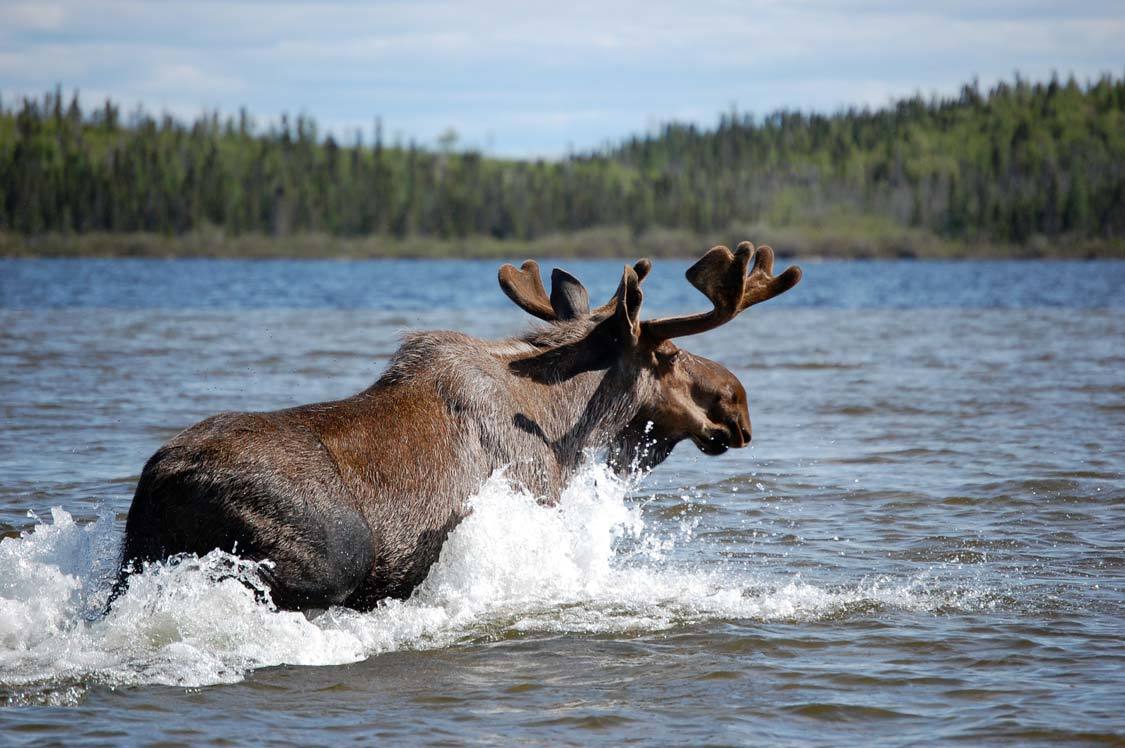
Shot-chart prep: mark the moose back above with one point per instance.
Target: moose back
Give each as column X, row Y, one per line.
column 351, row 500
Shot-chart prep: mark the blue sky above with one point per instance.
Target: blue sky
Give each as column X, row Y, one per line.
column 530, row 78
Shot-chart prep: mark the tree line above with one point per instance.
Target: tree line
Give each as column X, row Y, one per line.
column 1008, row 164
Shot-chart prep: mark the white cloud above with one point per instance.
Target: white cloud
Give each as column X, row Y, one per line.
column 190, row 81
column 39, row 16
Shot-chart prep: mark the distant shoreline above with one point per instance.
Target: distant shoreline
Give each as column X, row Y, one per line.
column 613, row 242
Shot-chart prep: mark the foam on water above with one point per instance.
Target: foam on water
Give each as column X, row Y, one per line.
column 590, row 565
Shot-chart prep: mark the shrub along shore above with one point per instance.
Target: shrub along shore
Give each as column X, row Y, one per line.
column 603, row 242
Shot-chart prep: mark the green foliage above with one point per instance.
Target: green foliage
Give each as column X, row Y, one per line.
column 1018, row 164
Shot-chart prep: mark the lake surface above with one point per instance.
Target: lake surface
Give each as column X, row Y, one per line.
column 925, row 543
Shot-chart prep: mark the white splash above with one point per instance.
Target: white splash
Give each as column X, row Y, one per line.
column 589, row 565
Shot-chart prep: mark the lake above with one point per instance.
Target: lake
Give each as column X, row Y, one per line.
column 924, row 543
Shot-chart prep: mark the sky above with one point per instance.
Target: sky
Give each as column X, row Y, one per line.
column 531, row 79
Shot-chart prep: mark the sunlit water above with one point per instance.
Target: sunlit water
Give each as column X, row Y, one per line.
column 925, row 543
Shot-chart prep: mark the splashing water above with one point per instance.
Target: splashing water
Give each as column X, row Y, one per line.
column 589, row 565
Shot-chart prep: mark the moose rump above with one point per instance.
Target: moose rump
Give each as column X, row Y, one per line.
column 350, row 501
column 262, row 486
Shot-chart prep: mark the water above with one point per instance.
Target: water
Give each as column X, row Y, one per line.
column 926, row 542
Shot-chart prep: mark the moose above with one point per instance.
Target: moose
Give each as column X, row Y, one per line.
column 350, row 501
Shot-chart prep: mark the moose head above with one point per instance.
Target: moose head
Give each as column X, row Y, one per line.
column 693, row 397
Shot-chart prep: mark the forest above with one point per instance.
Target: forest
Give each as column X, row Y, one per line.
column 1023, row 168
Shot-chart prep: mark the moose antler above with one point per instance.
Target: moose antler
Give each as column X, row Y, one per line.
column 525, row 288
column 569, row 298
column 641, row 268
column 721, row 276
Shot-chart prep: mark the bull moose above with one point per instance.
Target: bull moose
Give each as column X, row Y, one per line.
column 351, row 500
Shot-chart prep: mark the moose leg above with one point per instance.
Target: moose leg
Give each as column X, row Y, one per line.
column 397, row 575
column 316, row 555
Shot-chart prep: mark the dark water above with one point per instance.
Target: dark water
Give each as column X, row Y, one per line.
column 926, row 542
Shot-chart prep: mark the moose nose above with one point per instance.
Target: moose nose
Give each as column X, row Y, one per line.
column 739, row 434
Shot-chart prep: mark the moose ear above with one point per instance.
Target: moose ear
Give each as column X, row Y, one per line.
column 569, row 297
column 642, row 267
column 626, row 319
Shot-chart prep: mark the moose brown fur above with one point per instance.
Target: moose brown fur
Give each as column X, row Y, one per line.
column 351, row 500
